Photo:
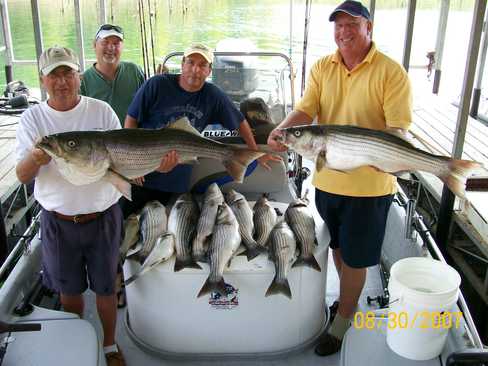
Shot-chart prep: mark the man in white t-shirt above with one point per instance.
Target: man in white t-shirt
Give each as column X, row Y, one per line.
column 81, row 225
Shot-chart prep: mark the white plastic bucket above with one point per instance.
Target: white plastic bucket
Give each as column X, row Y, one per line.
column 422, row 294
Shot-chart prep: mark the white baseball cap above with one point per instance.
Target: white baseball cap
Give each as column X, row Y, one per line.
column 57, row 56
column 201, row 50
column 107, row 30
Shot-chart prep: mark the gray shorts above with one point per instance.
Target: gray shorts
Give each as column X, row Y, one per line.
column 75, row 255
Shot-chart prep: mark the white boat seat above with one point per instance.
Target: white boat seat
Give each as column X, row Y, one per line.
column 71, row 342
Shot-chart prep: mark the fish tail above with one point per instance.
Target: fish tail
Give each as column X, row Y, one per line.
column 310, row 262
column 253, row 251
column 131, row 279
column 185, row 263
column 200, row 258
column 136, row 257
column 279, row 288
column 237, row 163
column 212, row 286
column 459, row 170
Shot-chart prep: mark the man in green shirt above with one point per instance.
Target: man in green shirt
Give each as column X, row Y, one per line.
column 110, row 79
column 115, row 82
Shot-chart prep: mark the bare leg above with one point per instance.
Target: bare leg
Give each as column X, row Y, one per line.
column 107, row 310
column 351, row 284
column 73, row 304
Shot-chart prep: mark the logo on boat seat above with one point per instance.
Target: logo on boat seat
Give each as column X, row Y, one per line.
column 227, row 302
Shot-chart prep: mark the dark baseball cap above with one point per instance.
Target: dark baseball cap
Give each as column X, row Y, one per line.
column 353, row 8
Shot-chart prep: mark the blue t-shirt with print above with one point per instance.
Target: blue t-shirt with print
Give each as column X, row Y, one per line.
column 161, row 100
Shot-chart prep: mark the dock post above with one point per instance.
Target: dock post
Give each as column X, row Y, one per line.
column 439, row 44
column 479, row 74
column 407, row 45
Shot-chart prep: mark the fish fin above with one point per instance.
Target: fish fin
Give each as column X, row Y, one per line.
column 209, row 287
column 237, row 163
column 398, row 133
column 310, row 262
column 131, row 279
column 184, row 124
column 320, row 161
column 120, row 182
column 185, row 263
column 459, row 170
column 254, row 251
column 200, row 258
column 403, row 174
column 279, row 288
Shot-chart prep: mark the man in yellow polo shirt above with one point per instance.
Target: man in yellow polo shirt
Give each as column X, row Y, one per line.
column 359, row 86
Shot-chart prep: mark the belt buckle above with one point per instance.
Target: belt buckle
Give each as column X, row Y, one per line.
column 76, row 219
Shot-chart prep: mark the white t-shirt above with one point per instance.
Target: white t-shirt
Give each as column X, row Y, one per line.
column 51, row 190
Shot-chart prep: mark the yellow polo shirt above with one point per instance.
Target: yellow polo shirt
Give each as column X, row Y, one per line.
column 376, row 94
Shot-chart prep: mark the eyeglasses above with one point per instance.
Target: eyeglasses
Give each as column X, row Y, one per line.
column 107, row 27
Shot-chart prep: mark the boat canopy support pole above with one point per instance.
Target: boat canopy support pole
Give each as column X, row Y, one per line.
column 36, row 20
column 407, row 48
column 79, row 34
column 439, row 44
column 447, row 199
column 291, row 30
column 3, row 239
column 7, row 39
column 372, row 10
column 479, row 72
column 103, row 11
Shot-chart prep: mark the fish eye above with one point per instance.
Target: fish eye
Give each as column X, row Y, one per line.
column 297, row 133
column 71, row 143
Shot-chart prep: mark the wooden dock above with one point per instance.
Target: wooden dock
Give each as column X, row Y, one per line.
column 14, row 197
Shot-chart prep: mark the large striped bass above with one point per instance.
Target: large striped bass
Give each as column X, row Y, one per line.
column 348, row 147
column 85, row 157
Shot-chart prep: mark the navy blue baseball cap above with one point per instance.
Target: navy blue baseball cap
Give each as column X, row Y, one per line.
column 353, row 8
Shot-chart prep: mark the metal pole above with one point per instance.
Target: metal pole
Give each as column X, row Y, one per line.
column 447, row 199
column 479, row 72
column 79, row 34
column 7, row 35
column 308, row 5
column 103, row 11
column 439, row 44
column 3, row 239
column 291, row 29
column 36, row 20
column 372, row 10
column 407, row 48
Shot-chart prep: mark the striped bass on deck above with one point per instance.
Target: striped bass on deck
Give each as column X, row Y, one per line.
column 345, row 148
column 223, row 246
column 85, row 157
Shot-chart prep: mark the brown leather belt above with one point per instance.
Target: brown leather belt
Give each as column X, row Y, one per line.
column 78, row 219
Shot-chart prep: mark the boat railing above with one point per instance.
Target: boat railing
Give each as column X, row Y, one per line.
column 21, row 247
column 427, row 237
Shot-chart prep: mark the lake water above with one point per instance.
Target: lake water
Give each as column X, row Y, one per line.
column 177, row 23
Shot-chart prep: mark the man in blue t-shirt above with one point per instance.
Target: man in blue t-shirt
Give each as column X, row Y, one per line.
column 164, row 99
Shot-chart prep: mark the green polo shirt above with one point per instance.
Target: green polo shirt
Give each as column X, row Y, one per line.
column 119, row 92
